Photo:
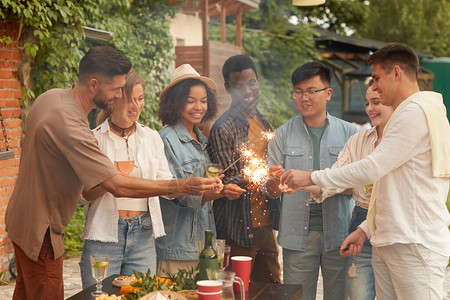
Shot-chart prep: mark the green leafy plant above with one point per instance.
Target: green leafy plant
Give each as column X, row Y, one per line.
column 149, row 284
column 51, row 32
column 185, row 279
column 73, row 243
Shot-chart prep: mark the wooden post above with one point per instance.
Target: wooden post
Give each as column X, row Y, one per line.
column 223, row 23
column 239, row 27
column 345, row 94
column 205, row 38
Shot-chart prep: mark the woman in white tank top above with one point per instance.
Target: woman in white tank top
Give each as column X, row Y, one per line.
column 125, row 228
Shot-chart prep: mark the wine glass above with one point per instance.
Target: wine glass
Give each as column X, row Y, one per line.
column 99, row 265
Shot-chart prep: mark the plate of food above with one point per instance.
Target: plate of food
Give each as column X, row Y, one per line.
column 167, row 294
column 122, row 280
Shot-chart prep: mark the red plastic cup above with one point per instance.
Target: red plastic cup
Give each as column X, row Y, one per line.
column 209, row 290
column 241, row 265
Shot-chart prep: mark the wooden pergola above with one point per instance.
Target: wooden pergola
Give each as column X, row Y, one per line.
column 218, row 9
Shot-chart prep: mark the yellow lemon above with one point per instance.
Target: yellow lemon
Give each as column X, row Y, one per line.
column 100, row 264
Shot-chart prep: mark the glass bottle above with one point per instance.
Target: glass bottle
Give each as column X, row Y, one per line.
column 207, row 258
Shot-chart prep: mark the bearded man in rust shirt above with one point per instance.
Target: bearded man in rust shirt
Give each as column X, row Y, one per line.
column 59, row 158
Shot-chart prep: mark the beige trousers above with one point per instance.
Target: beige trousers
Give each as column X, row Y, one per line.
column 408, row 272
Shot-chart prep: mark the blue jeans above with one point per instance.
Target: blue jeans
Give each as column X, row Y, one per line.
column 134, row 251
column 360, row 280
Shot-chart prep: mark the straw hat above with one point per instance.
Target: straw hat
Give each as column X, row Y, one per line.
column 183, row 72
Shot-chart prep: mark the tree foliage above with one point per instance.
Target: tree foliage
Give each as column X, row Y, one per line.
column 140, row 27
column 420, row 24
column 335, row 15
column 277, row 47
column 423, row 25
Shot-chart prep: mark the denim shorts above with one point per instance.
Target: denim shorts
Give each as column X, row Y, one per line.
column 135, row 250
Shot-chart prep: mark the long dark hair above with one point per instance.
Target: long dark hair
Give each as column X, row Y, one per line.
column 174, row 100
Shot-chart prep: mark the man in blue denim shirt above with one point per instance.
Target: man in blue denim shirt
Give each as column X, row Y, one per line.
column 311, row 233
column 246, row 223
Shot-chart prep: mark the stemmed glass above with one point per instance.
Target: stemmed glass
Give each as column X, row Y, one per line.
column 99, row 265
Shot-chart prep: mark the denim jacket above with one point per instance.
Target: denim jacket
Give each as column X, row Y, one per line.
column 185, row 218
column 292, row 149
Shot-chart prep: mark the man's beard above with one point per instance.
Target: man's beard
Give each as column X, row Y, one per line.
column 99, row 103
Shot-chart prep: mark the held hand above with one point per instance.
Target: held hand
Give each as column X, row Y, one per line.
column 314, row 191
column 218, row 189
column 252, row 188
column 199, row 185
column 369, row 192
column 276, row 171
column 296, row 179
column 353, row 243
column 233, row 191
column 287, row 190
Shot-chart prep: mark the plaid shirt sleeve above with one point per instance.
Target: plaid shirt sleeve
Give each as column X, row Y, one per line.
column 222, row 149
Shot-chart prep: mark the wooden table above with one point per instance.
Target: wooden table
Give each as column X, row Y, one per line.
column 257, row 291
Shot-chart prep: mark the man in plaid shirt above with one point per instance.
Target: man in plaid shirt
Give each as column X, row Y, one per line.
column 247, row 222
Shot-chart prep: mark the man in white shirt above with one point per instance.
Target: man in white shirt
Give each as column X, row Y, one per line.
column 407, row 220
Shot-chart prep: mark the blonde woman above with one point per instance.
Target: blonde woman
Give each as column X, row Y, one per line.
column 126, row 228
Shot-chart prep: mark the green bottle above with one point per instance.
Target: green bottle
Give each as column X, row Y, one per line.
column 207, row 258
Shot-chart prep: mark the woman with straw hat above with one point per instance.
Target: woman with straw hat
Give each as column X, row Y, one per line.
column 188, row 100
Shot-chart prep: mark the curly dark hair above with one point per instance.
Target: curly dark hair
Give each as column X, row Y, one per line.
column 174, row 100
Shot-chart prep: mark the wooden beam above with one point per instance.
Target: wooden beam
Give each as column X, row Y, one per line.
column 239, row 27
column 223, row 23
column 205, row 38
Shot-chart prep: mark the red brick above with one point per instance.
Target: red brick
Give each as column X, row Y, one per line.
column 10, row 171
column 8, row 64
column 17, row 94
column 13, row 84
column 13, row 143
column 6, row 93
column 15, row 56
column 10, row 112
column 14, row 133
column 11, row 103
column 7, row 181
column 5, row 54
column 13, row 123
column 7, row 74
column 7, row 163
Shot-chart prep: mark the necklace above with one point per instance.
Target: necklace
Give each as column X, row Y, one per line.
column 123, row 131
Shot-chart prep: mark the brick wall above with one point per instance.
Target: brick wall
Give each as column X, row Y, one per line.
column 10, row 108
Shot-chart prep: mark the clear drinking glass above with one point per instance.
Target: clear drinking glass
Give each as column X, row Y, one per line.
column 212, row 170
column 226, row 256
column 99, row 265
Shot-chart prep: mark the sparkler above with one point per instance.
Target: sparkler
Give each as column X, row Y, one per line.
column 245, row 154
column 255, row 170
column 269, row 137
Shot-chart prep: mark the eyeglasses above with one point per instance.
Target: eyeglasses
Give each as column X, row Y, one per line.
column 297, row 95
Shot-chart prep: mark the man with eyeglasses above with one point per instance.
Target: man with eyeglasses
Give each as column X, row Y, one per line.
column 311, row 233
